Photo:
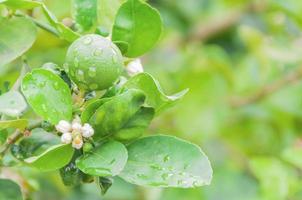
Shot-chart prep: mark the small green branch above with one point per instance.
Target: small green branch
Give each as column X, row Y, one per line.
column 16, row 136
column 45, row 27
column 41, row 25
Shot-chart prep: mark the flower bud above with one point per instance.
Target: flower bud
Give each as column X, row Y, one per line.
column 77, row 142
column 77, row 127
column 66, row 138
column 134, row 67
column 76, row 124
column 87, row 130
column 63, row 126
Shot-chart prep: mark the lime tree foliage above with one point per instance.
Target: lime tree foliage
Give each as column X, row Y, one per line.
column 86, row 118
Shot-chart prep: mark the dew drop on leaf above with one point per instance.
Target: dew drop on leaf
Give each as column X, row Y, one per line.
column 166, row 158
column 155, row 166
column 92, row 71
column 142, row 176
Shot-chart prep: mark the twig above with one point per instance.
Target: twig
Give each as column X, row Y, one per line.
column 41, row 25
column 289, row 79
column 16, row 136
column 212, row 27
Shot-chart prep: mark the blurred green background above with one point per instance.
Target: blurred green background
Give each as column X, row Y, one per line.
column 242, row 62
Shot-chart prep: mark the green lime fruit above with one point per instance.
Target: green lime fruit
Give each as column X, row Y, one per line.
column 93, row 62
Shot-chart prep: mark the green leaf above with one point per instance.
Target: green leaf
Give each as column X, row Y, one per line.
column 293, row 155
column 48, row 95
column 13, row 42
column 52, row 159
column 135, row 126
column 114, row 114
column 12, row 104
column 10, row 190
column 108, row 159
column 18, row 123
column 64, row 32
column 155, row 97
column 107, row 11
column 22, row 4
column 85, row 14
column 91, row 107
column 35, row 144
column 274, row 177
column 137, row 24
column 166, row 161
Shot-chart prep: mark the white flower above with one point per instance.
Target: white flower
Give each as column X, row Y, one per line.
column 66, row 138
column 134, row 67
column 77, row 142
column 76, row 124
column 63, row 126
column 87, row 130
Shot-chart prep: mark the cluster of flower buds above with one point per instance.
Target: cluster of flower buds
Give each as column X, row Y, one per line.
column 74, row 132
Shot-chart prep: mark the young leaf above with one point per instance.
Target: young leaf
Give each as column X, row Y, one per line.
column 13, row 42
column 91, row 107
column 114, row 114
column 85, row 14
column 108, row 159
column 135, row 127
column 166, row 161
column 48, row 95
column 53, row 158
column 18, row 123
column 137, row 24
column 155, row 97
column 10, row 190
column 12, row 104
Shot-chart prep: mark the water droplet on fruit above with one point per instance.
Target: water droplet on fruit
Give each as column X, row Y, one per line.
column 56, row 85
column 114, row 51
column 166, row 158
column 114, row 59
column 93, row 86
column 98, row 52
column 80, row 75
column 76, row 62
column 92, row 71
column 41, row 84
column 87, row 40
